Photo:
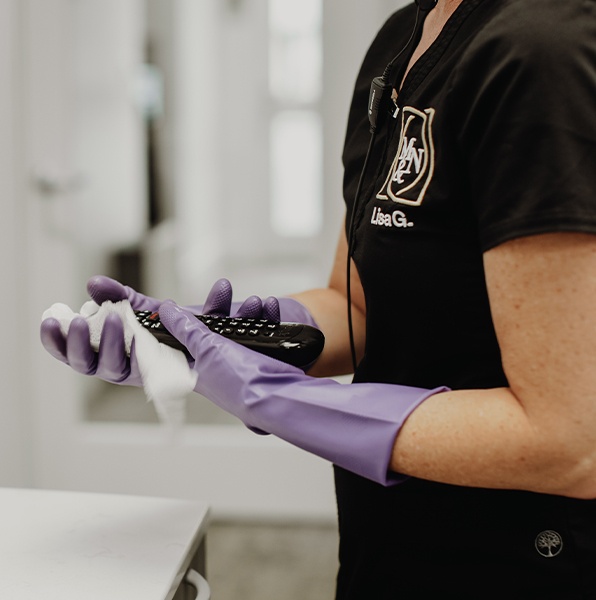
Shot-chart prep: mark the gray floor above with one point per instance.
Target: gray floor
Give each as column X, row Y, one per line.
column 251, row 561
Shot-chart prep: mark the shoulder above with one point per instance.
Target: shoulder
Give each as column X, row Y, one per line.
column 521, row 102
column 538, row 32
column 540, row 54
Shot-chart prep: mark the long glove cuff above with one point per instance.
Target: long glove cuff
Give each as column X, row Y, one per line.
column 353, row 426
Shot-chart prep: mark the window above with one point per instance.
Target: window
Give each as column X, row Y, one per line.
column 295, row 87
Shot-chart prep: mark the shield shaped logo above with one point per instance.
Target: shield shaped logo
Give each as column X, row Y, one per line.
column 413, row 166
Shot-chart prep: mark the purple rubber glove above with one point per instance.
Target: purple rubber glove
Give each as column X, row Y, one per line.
column 353, row 426
column 112, row 363
column 219, row 301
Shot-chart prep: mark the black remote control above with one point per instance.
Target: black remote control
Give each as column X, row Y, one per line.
column 293, row 343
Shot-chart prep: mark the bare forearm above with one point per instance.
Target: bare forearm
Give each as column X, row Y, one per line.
column 485, row 438
column 329, row 309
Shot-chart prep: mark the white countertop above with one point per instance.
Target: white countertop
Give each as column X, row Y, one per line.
column 71, row 545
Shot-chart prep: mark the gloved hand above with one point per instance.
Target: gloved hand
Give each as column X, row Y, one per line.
column 112, row 363
column 219, row 300
column 353, row 426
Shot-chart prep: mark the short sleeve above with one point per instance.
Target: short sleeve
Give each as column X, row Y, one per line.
column 525, row 95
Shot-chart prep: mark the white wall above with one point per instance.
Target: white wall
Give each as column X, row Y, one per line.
column 13, row 405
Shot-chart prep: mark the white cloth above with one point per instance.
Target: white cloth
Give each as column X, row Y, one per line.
column 167, row 378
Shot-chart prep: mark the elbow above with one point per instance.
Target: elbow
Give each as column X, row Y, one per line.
column 561, row 452
column 581, row 483
column 572, row 473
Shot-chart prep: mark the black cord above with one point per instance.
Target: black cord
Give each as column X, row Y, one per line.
column 381, row 87
column 350, row 248
column 389, row 67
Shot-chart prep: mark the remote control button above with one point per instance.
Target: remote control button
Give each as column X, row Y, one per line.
column 253, row 332
column 240, row 331
column 285, row 332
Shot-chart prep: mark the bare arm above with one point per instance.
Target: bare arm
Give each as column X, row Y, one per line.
column 540, row 433
column 329, row 308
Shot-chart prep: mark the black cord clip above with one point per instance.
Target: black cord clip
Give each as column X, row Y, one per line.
column 378, row 101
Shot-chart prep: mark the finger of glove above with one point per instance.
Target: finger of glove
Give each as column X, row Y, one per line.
column 251, row 308
column 184, row 326
column 52, row 339
column 102, row 289
column 113, row 363
column 219, row 299
column 271, row 310
column 79, row 352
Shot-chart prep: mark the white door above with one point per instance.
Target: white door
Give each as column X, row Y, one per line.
column 233, row 470
column 84, row 195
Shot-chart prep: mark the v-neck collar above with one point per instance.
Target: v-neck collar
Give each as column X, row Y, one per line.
column 424, row 65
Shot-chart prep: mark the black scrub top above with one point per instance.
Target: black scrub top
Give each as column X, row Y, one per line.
column 493, row 137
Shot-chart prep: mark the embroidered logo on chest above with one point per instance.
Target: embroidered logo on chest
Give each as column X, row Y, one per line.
column 413, row 166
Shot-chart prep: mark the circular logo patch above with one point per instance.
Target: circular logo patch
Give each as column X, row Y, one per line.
column 549, row 543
